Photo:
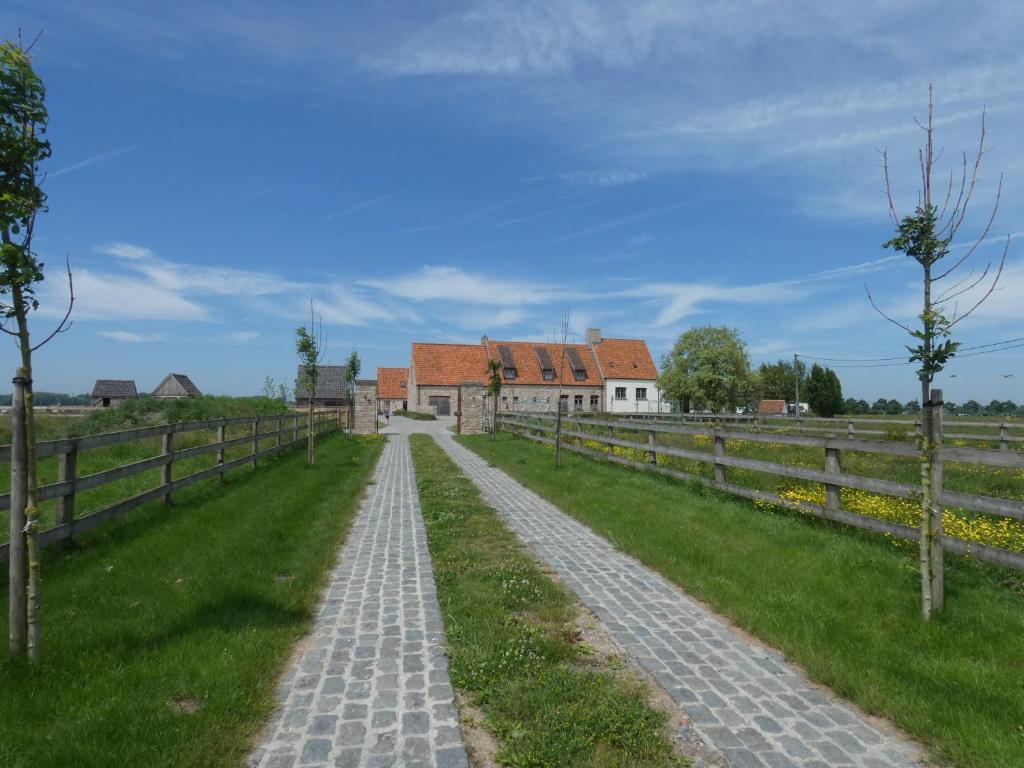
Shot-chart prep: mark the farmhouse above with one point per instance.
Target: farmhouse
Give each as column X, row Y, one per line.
column 598, row 375
column 331, row 386
column 108, row 392
column 630, row 377
column 392, row 389
column 436, row 372
column 176, row 386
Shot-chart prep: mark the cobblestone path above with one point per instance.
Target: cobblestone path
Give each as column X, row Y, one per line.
column 371, row 688
column 744, row 700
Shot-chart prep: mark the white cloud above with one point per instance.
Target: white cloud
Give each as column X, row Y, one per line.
column 129, row 337
column 452, row 284
column 106, row 296
column 240, row 337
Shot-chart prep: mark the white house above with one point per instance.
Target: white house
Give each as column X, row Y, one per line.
column 629, row 374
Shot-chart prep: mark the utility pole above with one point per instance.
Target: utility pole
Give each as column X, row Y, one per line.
column 796, row 384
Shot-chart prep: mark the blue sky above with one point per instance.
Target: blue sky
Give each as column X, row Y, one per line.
column 435, row 171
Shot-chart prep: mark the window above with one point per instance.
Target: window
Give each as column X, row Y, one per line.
column 577, row 402
column 563, row 403
column 402, row 384
column 620, row 393
column 548, row 374
column 641, row 393
column 547, row 368
column 509, row 373
column 595, row 402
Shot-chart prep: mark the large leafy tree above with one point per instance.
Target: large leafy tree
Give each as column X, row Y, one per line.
column 23, row 146
column 708, row 367
column 824, row 392
column 777, row 380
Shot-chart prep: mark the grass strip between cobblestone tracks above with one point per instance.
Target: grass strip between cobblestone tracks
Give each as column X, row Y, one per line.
column 164, row 631
column 414, row 415
column 842, row 604
column 511, row 632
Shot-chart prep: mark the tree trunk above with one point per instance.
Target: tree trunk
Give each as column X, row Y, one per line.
column 310, row 457
column 18, row 630
column 494, row 422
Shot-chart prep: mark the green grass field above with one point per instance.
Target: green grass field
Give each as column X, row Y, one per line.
column 510, row 633
column 163, row 631
column 841, row 603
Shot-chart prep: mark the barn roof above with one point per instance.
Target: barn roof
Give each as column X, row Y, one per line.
column 530, row 358
column 186, row 383
column 392, row 383
column 330, row 383
column 625, row 359
column 114, row 388
column 448, row 364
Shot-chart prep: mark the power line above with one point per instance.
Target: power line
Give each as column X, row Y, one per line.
column 887, row 360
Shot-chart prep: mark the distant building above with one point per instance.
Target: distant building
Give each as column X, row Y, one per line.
column 176, row 386
column 331, row 386
column 771, row 407
column 108, row 392
column 437, row 371
column 630, row 376
column 392, row 389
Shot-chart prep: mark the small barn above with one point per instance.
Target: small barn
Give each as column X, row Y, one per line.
column 771, row 407
column 331, row 386
column 392, row 389
column 176, row 386
column 108, row 392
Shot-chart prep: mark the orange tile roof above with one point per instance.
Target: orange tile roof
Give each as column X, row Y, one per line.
column 448, row 364
column 392, row 383
column 528, row 370
column 625, row 359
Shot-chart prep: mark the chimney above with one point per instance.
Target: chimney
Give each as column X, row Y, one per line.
column 484, row 340
column 593, row 336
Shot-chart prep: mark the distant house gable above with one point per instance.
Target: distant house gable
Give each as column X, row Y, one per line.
column 392, row 383
column 331, row 385
column 108, row 391
column 176, row 385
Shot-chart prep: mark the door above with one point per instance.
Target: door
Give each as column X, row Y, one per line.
column 443, row 404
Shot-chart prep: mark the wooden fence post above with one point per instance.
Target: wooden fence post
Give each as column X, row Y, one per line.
column 165, row 471
column 652, row 454
column 255, row 439
column 280, row 423
column 611, row 448
column 850, row 429
column 719, row 453
column 221, row 436
column 67, row 470
column 833, row 493
column 1004, row 444
column 17, row 567
column 937, row 553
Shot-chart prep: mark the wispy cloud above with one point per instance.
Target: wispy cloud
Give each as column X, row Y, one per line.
column 619, row 221
column 443, row 283
column 129, row 337
column 360, row 206
column 598, row 177
column 91, row 161
column 545, row 214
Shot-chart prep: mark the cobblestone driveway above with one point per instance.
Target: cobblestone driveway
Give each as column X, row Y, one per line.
column 744, row 700
column 371, row 689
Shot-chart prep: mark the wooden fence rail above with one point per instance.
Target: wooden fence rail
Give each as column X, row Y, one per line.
column 287, row 430
column 542, row 428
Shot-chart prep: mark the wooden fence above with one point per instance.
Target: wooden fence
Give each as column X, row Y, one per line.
column 576, row 430
column 1004, row 432
column 287, row 430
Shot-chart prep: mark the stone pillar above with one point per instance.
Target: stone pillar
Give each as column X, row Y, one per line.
column 471, row 416
column 365, row 407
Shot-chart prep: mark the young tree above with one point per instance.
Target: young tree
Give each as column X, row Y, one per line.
column 309, row 347
column 23, row 121
column 708, row 366
column 926, row 236
column 269, row 388
column 494, row 390
column 352, row 367
column 282, row 393
column 824, row 392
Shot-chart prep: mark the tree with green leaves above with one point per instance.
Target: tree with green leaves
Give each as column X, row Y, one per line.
column 269, row 389
column 494, row 390
column 23, row 146
column 926, row 236
column 708, row 367
column 824, row 392
column 352, row 367
column 776, row 381
column 309, row 347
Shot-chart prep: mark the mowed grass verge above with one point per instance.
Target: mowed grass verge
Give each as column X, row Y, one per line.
column 164, row 631
column 842, row 604
column 511, row 639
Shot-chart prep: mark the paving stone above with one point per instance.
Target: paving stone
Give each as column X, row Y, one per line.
column 377, row 631
column 726, row 684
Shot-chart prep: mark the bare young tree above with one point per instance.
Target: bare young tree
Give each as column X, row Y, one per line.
column 927, row 236
column 309, row 343
column 494, row 390
column 23, row 146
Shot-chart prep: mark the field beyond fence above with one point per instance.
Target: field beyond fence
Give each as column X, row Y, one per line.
column 84, row 481
column 866, row 483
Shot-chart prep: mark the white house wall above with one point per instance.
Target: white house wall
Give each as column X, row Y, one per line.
column 652, row 404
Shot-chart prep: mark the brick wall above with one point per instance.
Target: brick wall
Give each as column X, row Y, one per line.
column 471, row 417
column 546, row 397
column 365, row 407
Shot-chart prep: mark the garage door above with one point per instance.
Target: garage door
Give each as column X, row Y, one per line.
column 443, row 405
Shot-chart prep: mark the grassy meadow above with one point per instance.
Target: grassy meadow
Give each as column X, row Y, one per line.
column 163, row 631
column 842, row 603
